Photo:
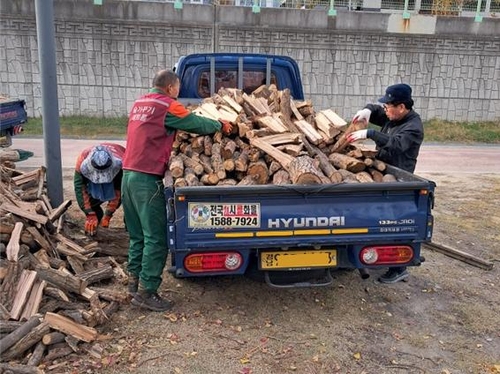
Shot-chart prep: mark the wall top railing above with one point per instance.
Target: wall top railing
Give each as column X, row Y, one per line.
column 452, row 8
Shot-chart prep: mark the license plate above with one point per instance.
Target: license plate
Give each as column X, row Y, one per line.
column 298, row 259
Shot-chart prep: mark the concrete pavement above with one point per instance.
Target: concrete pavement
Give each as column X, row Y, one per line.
column 433, row 158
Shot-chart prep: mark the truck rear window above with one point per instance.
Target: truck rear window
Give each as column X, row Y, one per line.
column 229, row 79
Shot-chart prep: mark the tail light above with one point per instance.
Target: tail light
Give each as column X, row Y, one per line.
column 386, row 255
column 213, row 261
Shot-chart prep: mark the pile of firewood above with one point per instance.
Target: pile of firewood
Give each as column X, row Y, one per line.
column 275, row 139
column 48, row 308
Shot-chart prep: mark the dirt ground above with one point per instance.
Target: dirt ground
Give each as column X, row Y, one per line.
column 445, row 320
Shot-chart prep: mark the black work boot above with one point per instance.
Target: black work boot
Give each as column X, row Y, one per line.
column 151, row 300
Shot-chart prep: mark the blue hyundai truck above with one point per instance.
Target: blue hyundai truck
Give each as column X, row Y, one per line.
column 13, row 116
column 291, row 235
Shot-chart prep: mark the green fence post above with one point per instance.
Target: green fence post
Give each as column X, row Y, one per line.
column 255, row 7
column 479, row 17
column 178, row 4
column 406, row 14
column 97, row 2
column 332, row 12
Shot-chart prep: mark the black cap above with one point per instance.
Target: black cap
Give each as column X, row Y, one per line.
column 398, row 93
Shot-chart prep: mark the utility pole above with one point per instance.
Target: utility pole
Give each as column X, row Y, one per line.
column 50, row 108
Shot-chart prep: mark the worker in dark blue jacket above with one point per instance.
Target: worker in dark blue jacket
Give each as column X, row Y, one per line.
column 398, row 141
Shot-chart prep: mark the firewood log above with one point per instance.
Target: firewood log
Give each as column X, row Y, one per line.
column 26, row 342
column 37, row 355
column 192, row 163
column 342, row 141
column 260, row 170
column 389, row 178
column 376, row 175
column 191, row 178
column 207, row 142
column 281, row 177
column 216, row 161
column 17, row 334
column 176, row 166
column 363, row 177
column 342, row 161
column 303, row 171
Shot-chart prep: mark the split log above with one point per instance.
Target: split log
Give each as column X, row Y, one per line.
column 67, row 326
column 347, row 176
column 227, row 151
column 24, row 286
column 279, row 156
column 309, row 131
column 342, row 141
column 10, row 208
column 60, row 210
column 303, row 171
column 13, row 246
column 34, row 300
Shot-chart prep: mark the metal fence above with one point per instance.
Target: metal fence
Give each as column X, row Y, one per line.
column 457, row 8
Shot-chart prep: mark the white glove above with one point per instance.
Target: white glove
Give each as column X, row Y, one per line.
column 362, row 115
column 357, row 135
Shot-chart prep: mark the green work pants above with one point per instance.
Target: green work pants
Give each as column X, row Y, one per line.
column 144, row 208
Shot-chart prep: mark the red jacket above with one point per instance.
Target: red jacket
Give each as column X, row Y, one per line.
column 148, row 144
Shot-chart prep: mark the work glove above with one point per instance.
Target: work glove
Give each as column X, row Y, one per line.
column 91, row 224
column 357, row 135
column 227, row 127
column 362, row 115
column 105, row 221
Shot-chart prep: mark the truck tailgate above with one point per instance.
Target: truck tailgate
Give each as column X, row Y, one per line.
column 300, row 216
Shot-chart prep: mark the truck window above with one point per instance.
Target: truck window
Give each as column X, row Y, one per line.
column 229, row 79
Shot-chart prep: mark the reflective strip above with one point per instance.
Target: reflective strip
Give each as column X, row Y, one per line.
column 350, row 231
column 234, row 235
column 274, row 233
column 312, row 232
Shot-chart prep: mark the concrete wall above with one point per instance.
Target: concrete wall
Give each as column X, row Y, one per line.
column 107, row 55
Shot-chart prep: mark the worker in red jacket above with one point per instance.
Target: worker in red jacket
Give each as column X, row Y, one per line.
column 97, row 179
column 153, row 121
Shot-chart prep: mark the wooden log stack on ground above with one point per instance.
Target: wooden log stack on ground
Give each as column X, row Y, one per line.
column 272, row 135
column 50, row 285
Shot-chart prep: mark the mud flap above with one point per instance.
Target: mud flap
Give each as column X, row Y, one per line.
column 317, row 279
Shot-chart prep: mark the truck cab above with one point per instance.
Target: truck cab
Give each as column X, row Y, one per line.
column 12, row 117
column 204, row 74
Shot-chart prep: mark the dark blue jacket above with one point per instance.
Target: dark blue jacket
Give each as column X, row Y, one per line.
column 398, row 142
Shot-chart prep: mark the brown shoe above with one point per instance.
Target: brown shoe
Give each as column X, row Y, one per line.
column 151, row 301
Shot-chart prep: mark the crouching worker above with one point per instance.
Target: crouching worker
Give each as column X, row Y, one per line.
column 97, row 179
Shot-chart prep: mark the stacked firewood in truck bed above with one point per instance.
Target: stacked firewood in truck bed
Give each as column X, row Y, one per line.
column 275, row 140
column 49, row 305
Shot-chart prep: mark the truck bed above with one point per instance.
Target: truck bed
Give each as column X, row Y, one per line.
column 12, row 113
column 345, row 217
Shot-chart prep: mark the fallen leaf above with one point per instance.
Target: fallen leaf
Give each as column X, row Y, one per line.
column 177, row 370
column 357, row 355
column 244, row 360
column 315, row 358
column 245, row 370
column 172, row 317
